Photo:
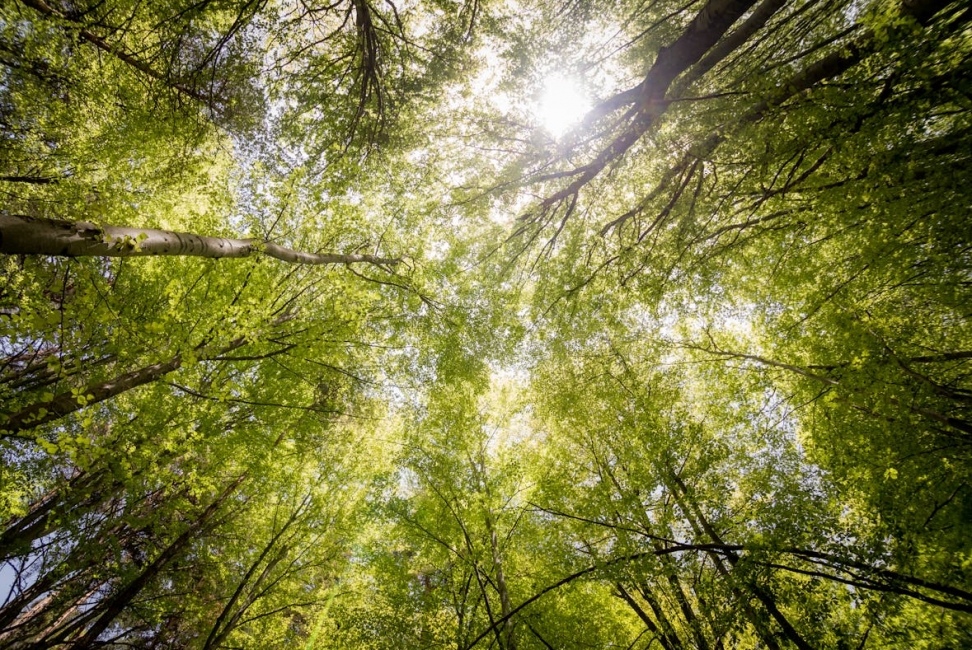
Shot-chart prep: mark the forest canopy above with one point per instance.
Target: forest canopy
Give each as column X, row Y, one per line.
column 485, row 324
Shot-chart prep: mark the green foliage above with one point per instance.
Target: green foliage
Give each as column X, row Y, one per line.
column 693, row 374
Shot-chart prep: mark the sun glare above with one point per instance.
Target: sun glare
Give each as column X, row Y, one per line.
column 561, row 106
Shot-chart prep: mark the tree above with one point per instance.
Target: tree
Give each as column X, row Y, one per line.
column 692, row 374
column 655, row 471
column 33, row 236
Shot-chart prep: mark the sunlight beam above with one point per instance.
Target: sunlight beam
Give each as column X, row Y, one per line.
column 561, row 106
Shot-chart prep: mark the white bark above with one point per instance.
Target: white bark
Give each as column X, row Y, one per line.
column 22, row 235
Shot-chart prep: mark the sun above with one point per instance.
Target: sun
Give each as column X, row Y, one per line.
column 561, row 105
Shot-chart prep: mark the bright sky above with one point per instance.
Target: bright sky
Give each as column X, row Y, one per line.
column 562, row 105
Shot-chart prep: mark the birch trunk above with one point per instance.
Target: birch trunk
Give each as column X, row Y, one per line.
column 22, row 235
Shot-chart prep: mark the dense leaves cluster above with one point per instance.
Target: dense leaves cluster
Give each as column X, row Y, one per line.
column 313, row 335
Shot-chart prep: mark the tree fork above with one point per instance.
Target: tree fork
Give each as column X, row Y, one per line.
column 662, row 637
column 833, row 65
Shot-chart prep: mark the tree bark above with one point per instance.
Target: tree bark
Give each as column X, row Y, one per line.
column 830, row 66
column 506, row 606
column 701, row 643
column 662, row 637
column 40, row 413
column 705, row 30
column 725, row 47
column 80, row 491
column 22, row 235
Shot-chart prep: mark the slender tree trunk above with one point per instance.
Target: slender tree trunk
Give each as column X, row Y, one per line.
column 219, row 631
column 58, row 582
column 666, row 625
column 687, row 611
column 666, row 642
column 506, row 606
column 255, row 595
column 504, row 633
column 70, row 615
column 66, row 403
column 22, row 235
column 668, row 569
column 115, row 604
column 691, row 509
column 20, row 533
column 33, row 180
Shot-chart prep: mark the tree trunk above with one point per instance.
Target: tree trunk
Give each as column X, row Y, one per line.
column 725, row 47
column 22, row 235
column 40, row 413
column 687, row 611
column 705, row 30
column 82, row 490
column 669, row 569
column 506, row 605
column 66, row 403
column 114, row 605
column 668, row 629
column 60, row 584
column 694, row 513
column 220, row 631
column 832, row 65
column 666, row 642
